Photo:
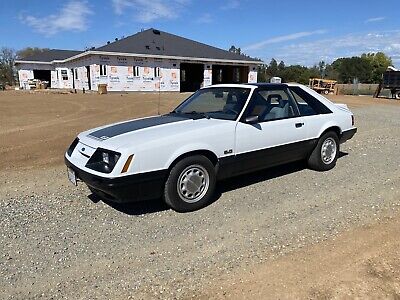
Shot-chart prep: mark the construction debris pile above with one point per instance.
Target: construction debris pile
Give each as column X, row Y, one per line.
column 37, row 84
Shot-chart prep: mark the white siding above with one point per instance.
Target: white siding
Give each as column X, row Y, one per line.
column 25, row 72
column 252, row 76
column 23, row 77
column 207, row 75
column 64, row 82
column 120, row 73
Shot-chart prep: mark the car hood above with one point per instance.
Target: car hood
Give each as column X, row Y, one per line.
column 140, row 131
column 115, row 130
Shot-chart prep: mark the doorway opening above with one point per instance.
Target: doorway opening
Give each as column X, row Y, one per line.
column 192, row 76
column 43, row 75
column 88, row 78
column 73, row 78
column 229, row 74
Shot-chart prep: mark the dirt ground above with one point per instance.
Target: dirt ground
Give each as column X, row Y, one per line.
column 30, row 120
column 362, row 262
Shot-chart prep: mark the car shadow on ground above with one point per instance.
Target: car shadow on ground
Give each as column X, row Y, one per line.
column 134, row 208
column 234, row 183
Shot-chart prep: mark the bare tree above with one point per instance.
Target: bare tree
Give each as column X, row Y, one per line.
column 7, row 59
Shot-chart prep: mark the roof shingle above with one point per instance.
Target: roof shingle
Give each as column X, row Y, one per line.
column 149, row 42
column 156, row 42
column 50, row 55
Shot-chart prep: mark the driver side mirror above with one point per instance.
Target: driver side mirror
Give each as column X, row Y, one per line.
column 252, row 119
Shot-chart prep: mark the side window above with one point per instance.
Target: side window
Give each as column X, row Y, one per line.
column 307, row 104
column 272, row 105
column 64, row 74
column 157, row 72
column 103, row 70
column 136, row 72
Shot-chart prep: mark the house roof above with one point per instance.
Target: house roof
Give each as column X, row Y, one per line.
column 50, row 55
column 156, row 42
column 149, row 42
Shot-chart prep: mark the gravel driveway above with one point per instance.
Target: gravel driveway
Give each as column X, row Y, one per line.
column 57, row 243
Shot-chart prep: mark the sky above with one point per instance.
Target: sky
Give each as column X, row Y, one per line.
column 297, row 32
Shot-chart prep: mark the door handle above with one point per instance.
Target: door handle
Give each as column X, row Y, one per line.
column 298, row 125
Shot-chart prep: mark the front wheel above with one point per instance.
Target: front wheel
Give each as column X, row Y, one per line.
column 325, row 154
column 190, row 184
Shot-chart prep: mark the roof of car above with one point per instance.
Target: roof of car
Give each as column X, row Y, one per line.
column 251, row 85
column 231, row 85
column 265, row 84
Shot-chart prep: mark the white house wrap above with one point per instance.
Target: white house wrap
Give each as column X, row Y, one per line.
column 150, row 60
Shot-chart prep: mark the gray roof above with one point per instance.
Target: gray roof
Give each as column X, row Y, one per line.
column 50, row 55
column 156, row 42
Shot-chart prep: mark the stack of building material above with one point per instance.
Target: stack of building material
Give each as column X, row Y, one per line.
column 102, row 89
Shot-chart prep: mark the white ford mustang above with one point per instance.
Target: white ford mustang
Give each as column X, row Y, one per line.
column 219, row 132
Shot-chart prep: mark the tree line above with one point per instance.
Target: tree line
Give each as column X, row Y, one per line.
column 367, row 68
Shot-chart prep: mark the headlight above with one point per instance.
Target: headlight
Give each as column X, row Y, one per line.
column 72, row 147
column 106, row 157
column 103, row 160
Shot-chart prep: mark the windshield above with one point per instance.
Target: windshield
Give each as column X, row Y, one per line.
column 219, row 103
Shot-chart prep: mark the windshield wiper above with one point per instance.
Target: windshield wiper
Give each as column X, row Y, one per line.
column 194, row 113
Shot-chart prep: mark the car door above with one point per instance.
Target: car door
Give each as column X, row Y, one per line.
column 277, row 137
column 314, row 112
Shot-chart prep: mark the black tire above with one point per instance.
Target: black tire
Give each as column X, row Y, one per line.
column 176, row 199
column 316, row 161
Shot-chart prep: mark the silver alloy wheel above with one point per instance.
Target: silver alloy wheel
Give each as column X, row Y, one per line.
column 328, row 151
column 193, row 183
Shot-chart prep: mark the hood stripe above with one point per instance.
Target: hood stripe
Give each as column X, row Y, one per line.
column 115, row 130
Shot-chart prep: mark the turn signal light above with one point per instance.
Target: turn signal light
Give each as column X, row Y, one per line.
column 127, row 164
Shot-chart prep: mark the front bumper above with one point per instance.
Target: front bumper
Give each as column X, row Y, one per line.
column 130, row 188
column 347, row 135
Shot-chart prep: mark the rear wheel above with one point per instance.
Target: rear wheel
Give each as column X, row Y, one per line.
column 190, row 184
column 325, row 154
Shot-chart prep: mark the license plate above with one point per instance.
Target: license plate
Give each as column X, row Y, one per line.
column 72, row 176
